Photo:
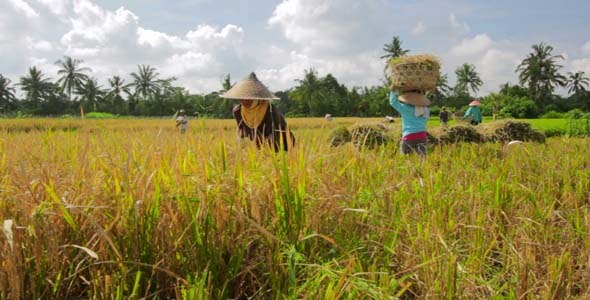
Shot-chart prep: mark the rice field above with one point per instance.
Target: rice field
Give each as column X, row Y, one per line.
column 131, row 209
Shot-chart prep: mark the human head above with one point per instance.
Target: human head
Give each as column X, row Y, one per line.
column 181, row 112
column 246, row 102
column 444, row 108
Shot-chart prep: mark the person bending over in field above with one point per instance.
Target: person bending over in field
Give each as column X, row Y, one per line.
column 474, row 112
column 413, row 107
column 256, row 117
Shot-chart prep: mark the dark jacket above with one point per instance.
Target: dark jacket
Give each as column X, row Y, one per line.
column 271, row 131
column 444, row 116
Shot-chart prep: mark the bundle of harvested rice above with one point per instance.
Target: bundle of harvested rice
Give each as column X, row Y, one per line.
column 459, row 134
column 415, row 72
column 513, row 130
column 340, row 136
column 433, row 140
column 369, row 135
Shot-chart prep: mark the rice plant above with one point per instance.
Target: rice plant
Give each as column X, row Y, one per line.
column 131, row 209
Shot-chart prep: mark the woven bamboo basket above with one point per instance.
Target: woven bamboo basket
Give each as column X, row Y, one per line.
column 418, row 72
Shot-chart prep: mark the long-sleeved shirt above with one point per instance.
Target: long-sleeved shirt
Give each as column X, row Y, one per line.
column 273, row 130
column 475, row 112
column 410, row 123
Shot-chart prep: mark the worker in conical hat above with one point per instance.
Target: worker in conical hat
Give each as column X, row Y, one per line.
column 474, row 112
column 256, row 117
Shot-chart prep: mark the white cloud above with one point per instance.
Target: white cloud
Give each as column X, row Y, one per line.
column 497, row 67
column 209, row 38
column 470, row 46
column 40, row 45
column 419, row 29
column 23, row 7
column 335, row 27
column 361, row 69
column 461, row 27
column 586, row 47
column 57, row 7
column 581, row 64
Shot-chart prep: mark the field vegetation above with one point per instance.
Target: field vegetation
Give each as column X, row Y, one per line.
column 131, row 209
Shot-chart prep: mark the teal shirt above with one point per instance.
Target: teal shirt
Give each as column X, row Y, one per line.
column 410, row 123
column 475, row 112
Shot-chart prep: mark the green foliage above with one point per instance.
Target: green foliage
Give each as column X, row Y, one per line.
column 540, row 72
column 578, row 123
column 552, row 115
column 99, row 115
column 519, row 107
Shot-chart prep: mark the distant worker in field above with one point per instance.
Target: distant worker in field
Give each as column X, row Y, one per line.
column 444, row 116
column 413, row 107
column 256, row 117
column 182, row 121
column 474, row 112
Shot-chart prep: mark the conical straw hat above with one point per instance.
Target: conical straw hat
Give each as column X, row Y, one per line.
column 474, row 103
column 250, row 88
column 416, row 99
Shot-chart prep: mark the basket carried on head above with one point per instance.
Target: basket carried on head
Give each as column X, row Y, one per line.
column 415, row 73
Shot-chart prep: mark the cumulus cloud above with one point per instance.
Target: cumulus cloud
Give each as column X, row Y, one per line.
column 113, row 42
column 457, row 25
column 40, row 45
column 581, row 64
column 339, row 37
column 57, row 7
column 495, row 61
column 419, row 29
column 470, row 46
column 24, row 8
column 356, row 70
column 335, row 27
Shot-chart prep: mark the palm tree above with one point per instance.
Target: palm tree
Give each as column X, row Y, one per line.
column 467, row 78
column 117, row 87
column 226, row 83
column 146, row 82
column 441, row 91
column 393, row 49
column 91, row 92
column 540, row 72
column 308, row 92
column 72, row 77
column 114, row 94
column 577, row 82
column 7, row 97
column 34, row 85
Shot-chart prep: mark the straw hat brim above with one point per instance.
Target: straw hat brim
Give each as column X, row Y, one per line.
column 416, row 99
column 249, row 89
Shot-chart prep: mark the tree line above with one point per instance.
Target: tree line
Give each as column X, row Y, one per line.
column 148, row 94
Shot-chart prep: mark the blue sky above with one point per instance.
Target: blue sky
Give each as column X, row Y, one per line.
column 198, row 41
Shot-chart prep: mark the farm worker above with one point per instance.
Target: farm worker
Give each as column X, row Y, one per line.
column 444, row 116
column 413, row 107
column 256, row 117
column 182, row 121
column 474, row 112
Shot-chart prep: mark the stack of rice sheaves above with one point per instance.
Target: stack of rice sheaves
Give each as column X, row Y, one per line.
column 415, row 73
